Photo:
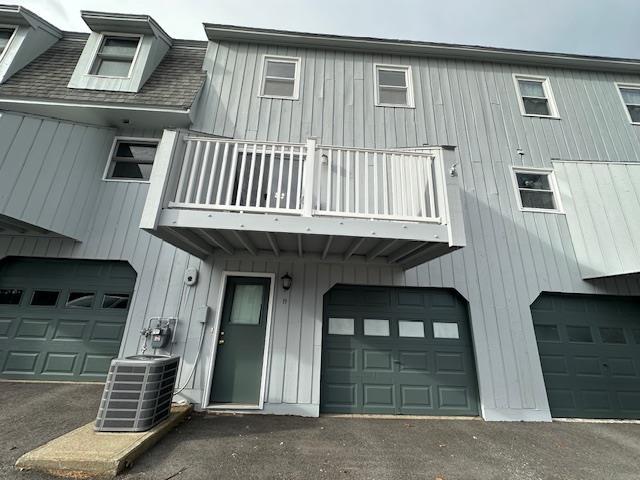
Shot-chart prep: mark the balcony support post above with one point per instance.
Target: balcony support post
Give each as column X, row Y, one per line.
column 308, row 177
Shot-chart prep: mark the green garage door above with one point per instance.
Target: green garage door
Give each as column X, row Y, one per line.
column 61, row 319
column 397, row 351
column 590, row 354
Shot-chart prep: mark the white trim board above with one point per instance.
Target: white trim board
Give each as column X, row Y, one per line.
column 216, row 333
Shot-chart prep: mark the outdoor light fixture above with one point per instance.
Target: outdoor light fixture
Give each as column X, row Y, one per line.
column 286, row 281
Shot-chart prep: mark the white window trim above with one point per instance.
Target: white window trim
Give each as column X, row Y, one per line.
column 11, row 38
column 408, row 75
column 630, row 86
column 112, row 152
column 553, row 183
column 548, row 91
column 94, row 55
column 296, row 80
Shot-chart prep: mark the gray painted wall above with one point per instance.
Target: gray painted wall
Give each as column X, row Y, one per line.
column 510, row 258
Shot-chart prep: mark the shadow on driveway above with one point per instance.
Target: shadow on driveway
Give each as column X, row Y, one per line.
column 261, row 447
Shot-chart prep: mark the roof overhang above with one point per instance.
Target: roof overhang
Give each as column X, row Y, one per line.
column 111, row 115
column 20, row 16
column 124, row 23
column 217, row 32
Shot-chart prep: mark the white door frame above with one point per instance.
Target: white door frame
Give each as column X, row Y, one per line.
column 216, row 334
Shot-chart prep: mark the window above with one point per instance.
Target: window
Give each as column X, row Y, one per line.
column 630, row 95
column 535, row 96
column 376, row 328
column 579, row 334
column 247, row 304
column 131, row 159
column 44, row 298
column 411, row 328
column 612, row 335
column 393, row 86
column 536, row 190
column 546, row 333
column 5, row 38
column 280, row 77
column 115, row 300
column 80, row 300
column 115, row 56
column 341, row 326
column 10, row 296
column 445, row 330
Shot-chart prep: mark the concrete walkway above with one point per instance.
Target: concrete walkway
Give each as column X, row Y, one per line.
column 258, row 447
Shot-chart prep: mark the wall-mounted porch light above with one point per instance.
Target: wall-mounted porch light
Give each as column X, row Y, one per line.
column 286, row 281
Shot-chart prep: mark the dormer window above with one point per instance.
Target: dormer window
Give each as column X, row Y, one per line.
column 5, row 38
column 115, row 56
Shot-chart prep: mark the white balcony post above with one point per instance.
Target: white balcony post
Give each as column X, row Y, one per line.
column 308, row 177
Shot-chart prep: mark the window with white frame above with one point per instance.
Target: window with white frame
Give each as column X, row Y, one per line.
column 280, row 77
column 631, row 98
column 5, row 36
column 115, row 56
column 131, row 159
column 536, row 189
column 535, row 96
column 393, row 86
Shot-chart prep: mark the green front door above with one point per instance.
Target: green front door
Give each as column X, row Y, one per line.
column 589, row 349
column 397, row 351
column 237, row 374
column 62, row 319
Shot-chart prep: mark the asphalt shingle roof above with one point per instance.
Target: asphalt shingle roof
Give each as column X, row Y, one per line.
column 174, row 83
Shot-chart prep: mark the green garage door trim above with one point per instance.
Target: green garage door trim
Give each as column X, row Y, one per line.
column 72, row 341
column 390, row 373
column 589, row 349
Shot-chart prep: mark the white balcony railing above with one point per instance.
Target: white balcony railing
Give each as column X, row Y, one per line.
column 307, row 180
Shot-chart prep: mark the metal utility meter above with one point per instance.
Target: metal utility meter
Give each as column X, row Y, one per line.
column 160, row 336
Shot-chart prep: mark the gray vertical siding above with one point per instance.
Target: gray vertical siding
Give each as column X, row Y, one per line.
column 511, row 255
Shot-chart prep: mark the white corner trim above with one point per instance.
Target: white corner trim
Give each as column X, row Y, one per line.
column 553, row 183
column 548, row 91
column 408, row 75
column 216, row 333
column 296, row 81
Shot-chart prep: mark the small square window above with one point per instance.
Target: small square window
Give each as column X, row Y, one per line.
column 579, row 334
column 115, row 300
column 80, row 300
column 44, row 298
column 115, row 56
column 546, row 333
column 445, row 330
column 131, row 160
column 535, row 96
column 341, row 326
column 536, row 190
column 393, row 86
column 5, row 38
column 411, row 328
column 630, row 95
column 10, row 296
column 376, row 328
column 280, row 77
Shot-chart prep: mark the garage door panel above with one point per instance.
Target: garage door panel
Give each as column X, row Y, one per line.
column 395, row 365
column 45, row 338
column 591, row 365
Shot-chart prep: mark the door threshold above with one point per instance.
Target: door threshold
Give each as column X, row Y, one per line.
column 383, row 416
column 233, row 406
column 597, row 420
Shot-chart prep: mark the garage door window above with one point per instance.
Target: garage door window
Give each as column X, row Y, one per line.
column 547, row 333
column 411, row 328
column 376, row 328
column 579, row 334
column 636, row 336
column 10, row 296
column 341, row 326
column 80, row 300
column 44, row 298
column 612, row 335
column 115, row 300
column 445, row 330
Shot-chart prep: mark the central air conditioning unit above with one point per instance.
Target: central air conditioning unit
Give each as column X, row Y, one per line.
column 138, row 393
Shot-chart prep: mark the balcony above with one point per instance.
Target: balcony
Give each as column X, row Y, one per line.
column 304, row 200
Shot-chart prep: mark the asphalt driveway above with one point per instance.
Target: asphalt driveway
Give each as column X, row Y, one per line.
column 248, row 447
